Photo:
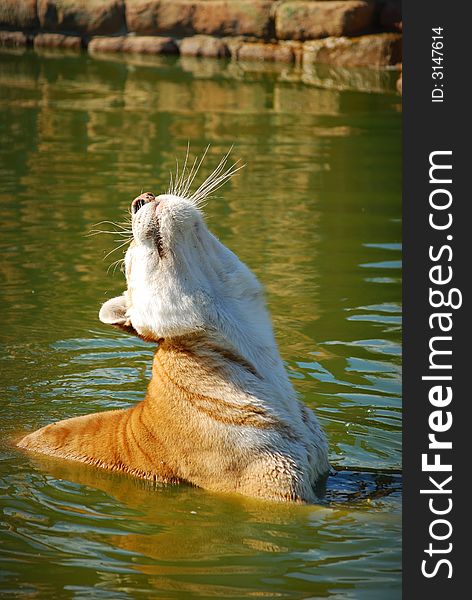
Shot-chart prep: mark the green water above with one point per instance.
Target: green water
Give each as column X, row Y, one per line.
column 316, row 214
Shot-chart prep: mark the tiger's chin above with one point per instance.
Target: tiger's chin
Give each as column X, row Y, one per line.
column 219, row 412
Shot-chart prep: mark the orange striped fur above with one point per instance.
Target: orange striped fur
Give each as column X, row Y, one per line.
column 177, row 433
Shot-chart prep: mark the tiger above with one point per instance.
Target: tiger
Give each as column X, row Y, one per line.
column 220, row 411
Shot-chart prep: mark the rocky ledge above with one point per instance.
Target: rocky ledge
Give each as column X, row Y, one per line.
column 350, row 33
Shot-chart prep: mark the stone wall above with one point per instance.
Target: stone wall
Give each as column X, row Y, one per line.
column 346, row 33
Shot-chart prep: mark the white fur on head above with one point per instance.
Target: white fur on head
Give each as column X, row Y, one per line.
column 182, row 280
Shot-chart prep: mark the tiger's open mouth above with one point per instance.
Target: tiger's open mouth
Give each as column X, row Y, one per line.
column 136, row 206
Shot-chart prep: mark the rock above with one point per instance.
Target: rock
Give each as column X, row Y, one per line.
column 18, row 14
column 147, row 17
column 57, row 40
column 376, row 50
column 85, row 17
column 266, row 52
column 312, row 20
column 106, row 44
column 390, row 17
column 14, row 39
column 204, row 45
column 211, row 17
column 234, row 43
column 152, row 45
column 235, row 17
column 142, row 44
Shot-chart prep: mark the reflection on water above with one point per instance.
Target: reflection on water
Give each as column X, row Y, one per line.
column 315, row 213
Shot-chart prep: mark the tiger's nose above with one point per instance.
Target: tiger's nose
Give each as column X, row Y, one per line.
column 140, row 201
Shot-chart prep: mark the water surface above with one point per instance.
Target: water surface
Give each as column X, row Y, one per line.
column 316, row 215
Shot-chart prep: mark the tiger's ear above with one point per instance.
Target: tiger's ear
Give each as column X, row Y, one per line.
column 113, row 312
